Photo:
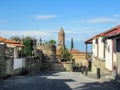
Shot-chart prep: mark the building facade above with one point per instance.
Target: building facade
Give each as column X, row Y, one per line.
column 105, row 51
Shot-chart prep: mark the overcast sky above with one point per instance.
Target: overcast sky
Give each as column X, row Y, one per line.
column 80, row 19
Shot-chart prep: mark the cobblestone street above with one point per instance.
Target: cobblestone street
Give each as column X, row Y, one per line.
column 57, row 81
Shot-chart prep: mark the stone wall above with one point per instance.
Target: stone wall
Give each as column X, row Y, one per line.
column 57, row 67
column 80, row 59
column 61, row 67
column 2, row 60
column 18, row 71
column 96, row 63
column 31, row 65
column 68, row 66
column 6, row 60
column 9, row 66
column 49, row 51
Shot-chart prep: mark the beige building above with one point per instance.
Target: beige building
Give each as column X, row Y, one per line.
column 79, row 57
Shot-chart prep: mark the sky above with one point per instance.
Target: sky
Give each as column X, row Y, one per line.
column 80, row 19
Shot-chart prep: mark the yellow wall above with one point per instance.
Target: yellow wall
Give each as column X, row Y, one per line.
column 80, row 59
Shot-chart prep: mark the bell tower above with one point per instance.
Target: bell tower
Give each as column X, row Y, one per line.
column 61, row 39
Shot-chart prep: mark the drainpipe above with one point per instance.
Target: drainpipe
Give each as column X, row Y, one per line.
column 98, row 69
column 86, row 50
column 112, row 55
column 114, row 65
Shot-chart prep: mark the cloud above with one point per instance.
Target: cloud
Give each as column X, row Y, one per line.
column 46, row 34
column 78, row 35
column 44, row 17
column 34, row 33
column 116, row 15
column 20, row 33
column 97, row 20
column 103, row 20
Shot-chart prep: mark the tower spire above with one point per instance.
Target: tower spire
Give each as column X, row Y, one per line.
column 61, row 31
column 61, row 38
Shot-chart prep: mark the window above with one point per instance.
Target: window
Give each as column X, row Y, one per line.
column 108, row 48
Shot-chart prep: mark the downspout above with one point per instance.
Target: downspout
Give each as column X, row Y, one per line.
column 86, row 50
column 97, row 48
column 114, row 64
column 112, row 55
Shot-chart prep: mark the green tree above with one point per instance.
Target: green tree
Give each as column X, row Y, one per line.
column 52, row 42
column 64, row 54
column 28, row 43
column 16, row 38
column 72, row 44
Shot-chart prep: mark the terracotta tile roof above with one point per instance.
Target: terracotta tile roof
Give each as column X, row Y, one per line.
column 17, row 45
column 72, row 52
column 115, row 32
column 89, row 41
column 11, row 42
column 111, row 32
column 76, row 52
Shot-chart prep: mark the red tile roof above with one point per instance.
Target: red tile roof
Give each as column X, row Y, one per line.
column 108, row 32
column 76, row 52
column 111, row 32
column 11, row 42
column 88, row 41
column 17, row 45
column 71, row 51
column 117, row 31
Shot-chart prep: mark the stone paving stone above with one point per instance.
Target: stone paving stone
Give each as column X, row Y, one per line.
column 58, row 81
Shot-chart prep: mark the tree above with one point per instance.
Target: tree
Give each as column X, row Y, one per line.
column 52, row 42
column 64, row 54
column 28, row 43
column 72, row 44
column 16, row 38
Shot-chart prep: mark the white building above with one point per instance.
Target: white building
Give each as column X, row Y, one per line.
column 105, row 51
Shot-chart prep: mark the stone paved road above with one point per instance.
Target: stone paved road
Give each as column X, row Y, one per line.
column 57, row 81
